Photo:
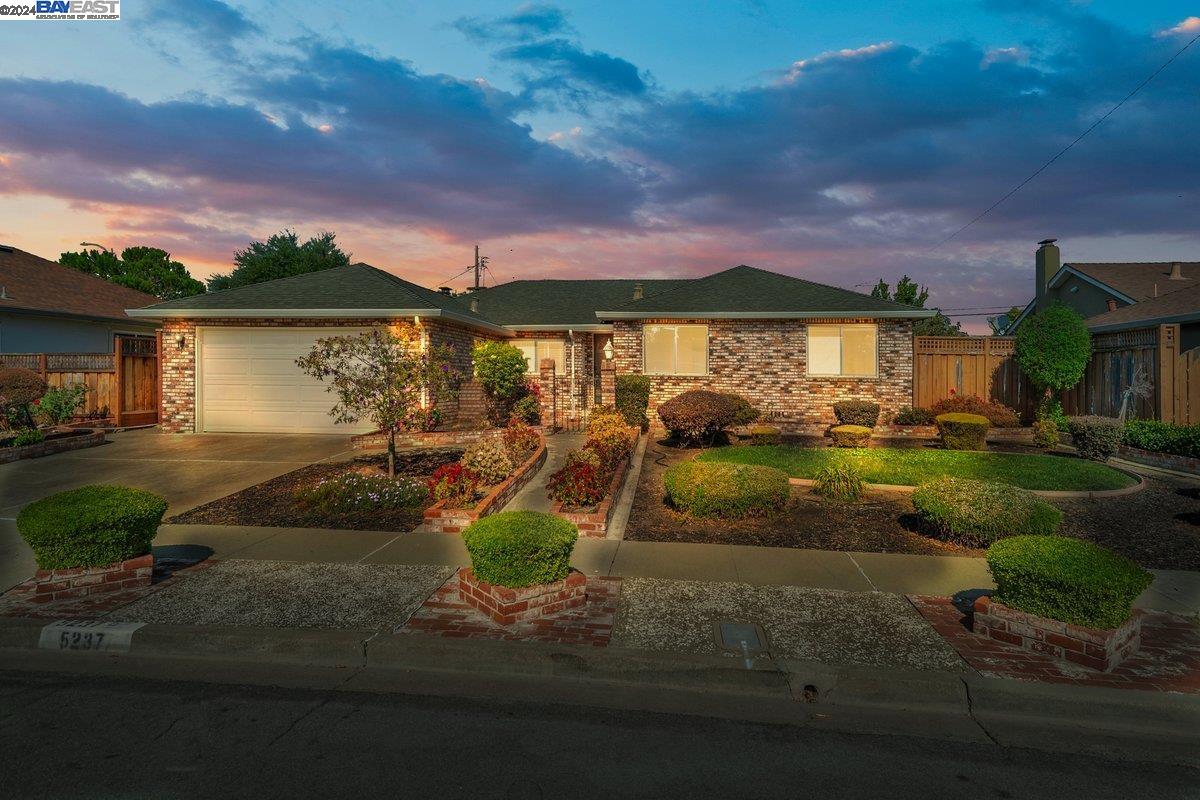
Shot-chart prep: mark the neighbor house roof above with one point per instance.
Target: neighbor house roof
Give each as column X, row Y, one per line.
column 560, row 303
column 1178, row 306
column 358, row 290
column 748, row 293
column 34, row 285
column 1134, row 281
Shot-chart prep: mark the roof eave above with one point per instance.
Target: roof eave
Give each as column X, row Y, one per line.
column 583, row 327
column 1153, row 322
column 314, row 313
column 46, row 312
column 913, row 313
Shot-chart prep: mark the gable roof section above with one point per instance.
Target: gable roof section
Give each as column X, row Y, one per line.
column 358, row 290
column 1178, row 306
column 1132, row 282
column 560, row 303
column 35, row 285
column 744, row 292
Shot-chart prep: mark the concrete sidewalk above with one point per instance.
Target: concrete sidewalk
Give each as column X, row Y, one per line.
column 1175, row 591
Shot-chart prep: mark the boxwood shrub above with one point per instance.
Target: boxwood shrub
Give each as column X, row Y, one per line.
column 850, row 435
column 857, row 412
column 913, row 416
column 977, row 513
column 520, row 548
column 633, row 398
column 717, row 489
column 764, row 435
column 1163, row 437
column 91, row 526
column 963, row 431
column 1096, row 438
column 1070, row 580
column 697, row 416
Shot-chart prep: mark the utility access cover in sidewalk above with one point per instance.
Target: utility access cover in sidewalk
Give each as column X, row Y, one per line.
column 740, row 637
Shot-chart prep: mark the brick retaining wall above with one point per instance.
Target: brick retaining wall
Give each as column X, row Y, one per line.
column 439, row 519
column 595, row 523
column 48, row 585
column 1160, row 460
column 52, row 446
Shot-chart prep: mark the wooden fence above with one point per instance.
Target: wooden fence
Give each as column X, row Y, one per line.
column 124, row 382
column 984, row 366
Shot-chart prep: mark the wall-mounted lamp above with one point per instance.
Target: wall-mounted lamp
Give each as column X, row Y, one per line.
column 181, row 340
column 608, row 350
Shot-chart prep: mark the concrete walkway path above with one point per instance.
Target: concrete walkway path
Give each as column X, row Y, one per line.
column 1176, row 591
column 533, row 497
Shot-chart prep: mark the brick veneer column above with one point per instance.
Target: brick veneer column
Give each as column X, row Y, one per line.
column 608, row 382
column 549, row 386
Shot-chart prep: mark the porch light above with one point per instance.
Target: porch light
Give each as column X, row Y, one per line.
column 608, row 350
column 181, row 340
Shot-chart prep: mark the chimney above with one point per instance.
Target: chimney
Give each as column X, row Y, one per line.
column 637, row 291
column 474, row 305
column 1046, row 263
column 1112, row 304
column 444, row 290
column 1176, row 271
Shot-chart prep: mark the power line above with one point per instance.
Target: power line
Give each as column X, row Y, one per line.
column 1077, row 140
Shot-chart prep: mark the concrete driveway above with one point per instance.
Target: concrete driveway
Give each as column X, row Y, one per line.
column 188, row 470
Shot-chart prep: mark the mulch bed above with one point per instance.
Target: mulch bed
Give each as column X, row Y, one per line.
column 273, row 503
column 883, row 523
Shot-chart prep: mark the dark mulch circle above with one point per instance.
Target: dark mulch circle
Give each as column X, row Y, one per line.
column 273, row 503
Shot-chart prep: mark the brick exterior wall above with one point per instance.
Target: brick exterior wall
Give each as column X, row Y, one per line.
column 178, row 413
column 766, row 362
column 576, row 395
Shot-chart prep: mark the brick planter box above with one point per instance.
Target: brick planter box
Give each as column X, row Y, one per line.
column 1101, row 650
column 440, row 519
column 1160, row 460
column 377, row 441
column 72, row 441
column 510, row 606
column 48, row 585
column 595, row 523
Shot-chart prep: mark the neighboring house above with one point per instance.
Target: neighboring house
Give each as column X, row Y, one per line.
column 48, row 308
column 1119, row 296
column 791, row 346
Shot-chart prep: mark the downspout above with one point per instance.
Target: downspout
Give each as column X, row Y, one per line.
column 571, row 379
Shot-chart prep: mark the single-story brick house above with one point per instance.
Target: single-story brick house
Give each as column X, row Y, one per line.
column 793, row 347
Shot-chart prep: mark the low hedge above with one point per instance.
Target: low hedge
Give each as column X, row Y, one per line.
column 764, row 435
column 977, row 513
column 633, row 398
column 1163, row 437
column 715, row 489
column 913, row 416
column 1070, row 580
column 850, row 435
column 963, row 431
column 92, row 526
column 520, row 548
column 857, row 412
column 1096, row 438
column 1000, row 415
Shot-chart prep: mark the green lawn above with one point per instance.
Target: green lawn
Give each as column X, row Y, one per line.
column 912, row 466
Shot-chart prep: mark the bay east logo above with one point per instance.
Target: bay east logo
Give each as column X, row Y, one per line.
column 77, row 10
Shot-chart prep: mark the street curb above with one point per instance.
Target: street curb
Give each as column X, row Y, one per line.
column 298, row 647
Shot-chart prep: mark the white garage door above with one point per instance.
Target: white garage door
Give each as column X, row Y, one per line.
column 249, row 382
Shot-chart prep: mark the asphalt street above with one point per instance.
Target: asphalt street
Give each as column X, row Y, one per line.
column 64, row 736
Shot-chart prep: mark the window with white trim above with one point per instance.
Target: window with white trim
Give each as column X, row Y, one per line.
column 843, row 350
column 675, row 349
column 535, row 350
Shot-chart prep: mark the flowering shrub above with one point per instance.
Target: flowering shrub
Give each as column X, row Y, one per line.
column 585, row 455
column 355, row 492
column 579, row 484
column 454, row 483
column 609, row 429
column 998, row 414
column 520, row 441
column 488, row 459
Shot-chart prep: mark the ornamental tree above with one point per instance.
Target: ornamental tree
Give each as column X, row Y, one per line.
column 386, row 377
column 1053, row 348
column 500, row 369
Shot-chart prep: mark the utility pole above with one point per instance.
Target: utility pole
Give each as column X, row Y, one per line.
column 476, row 267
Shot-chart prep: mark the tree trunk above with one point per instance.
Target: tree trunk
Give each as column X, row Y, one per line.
column 391, row 453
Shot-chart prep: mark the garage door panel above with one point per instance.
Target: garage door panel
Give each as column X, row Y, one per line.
column 250, row 382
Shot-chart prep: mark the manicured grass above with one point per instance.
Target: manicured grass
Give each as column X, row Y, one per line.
column 911, row 466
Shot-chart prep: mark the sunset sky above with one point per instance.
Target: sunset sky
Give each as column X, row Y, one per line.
column 841, row 141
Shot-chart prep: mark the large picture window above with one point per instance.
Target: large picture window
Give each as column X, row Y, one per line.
column 535, row 350
column 843, row 350
column 675, row 349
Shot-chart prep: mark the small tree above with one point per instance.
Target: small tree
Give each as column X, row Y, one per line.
column 1053, row 348
column 500, row 369
column 383, row 376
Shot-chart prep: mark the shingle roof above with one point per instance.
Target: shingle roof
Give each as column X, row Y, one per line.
column 33, row 284
column 561, row 302
column 355, row 290
column 1138, row 280
column 1178, row 306
column 749, row 292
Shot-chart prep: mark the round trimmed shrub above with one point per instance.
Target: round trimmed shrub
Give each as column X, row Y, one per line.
column 839, row 482
column 744, row 412
column 1070, row 580
column 977, row 513
column 19, row 389
column 963, row 431
column 520, row 548
column 698, row 415
column 857, row 412
column 92, row 526
column 764, row 435
column 1096, row 438
column 850, row 435
column 716, row 489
